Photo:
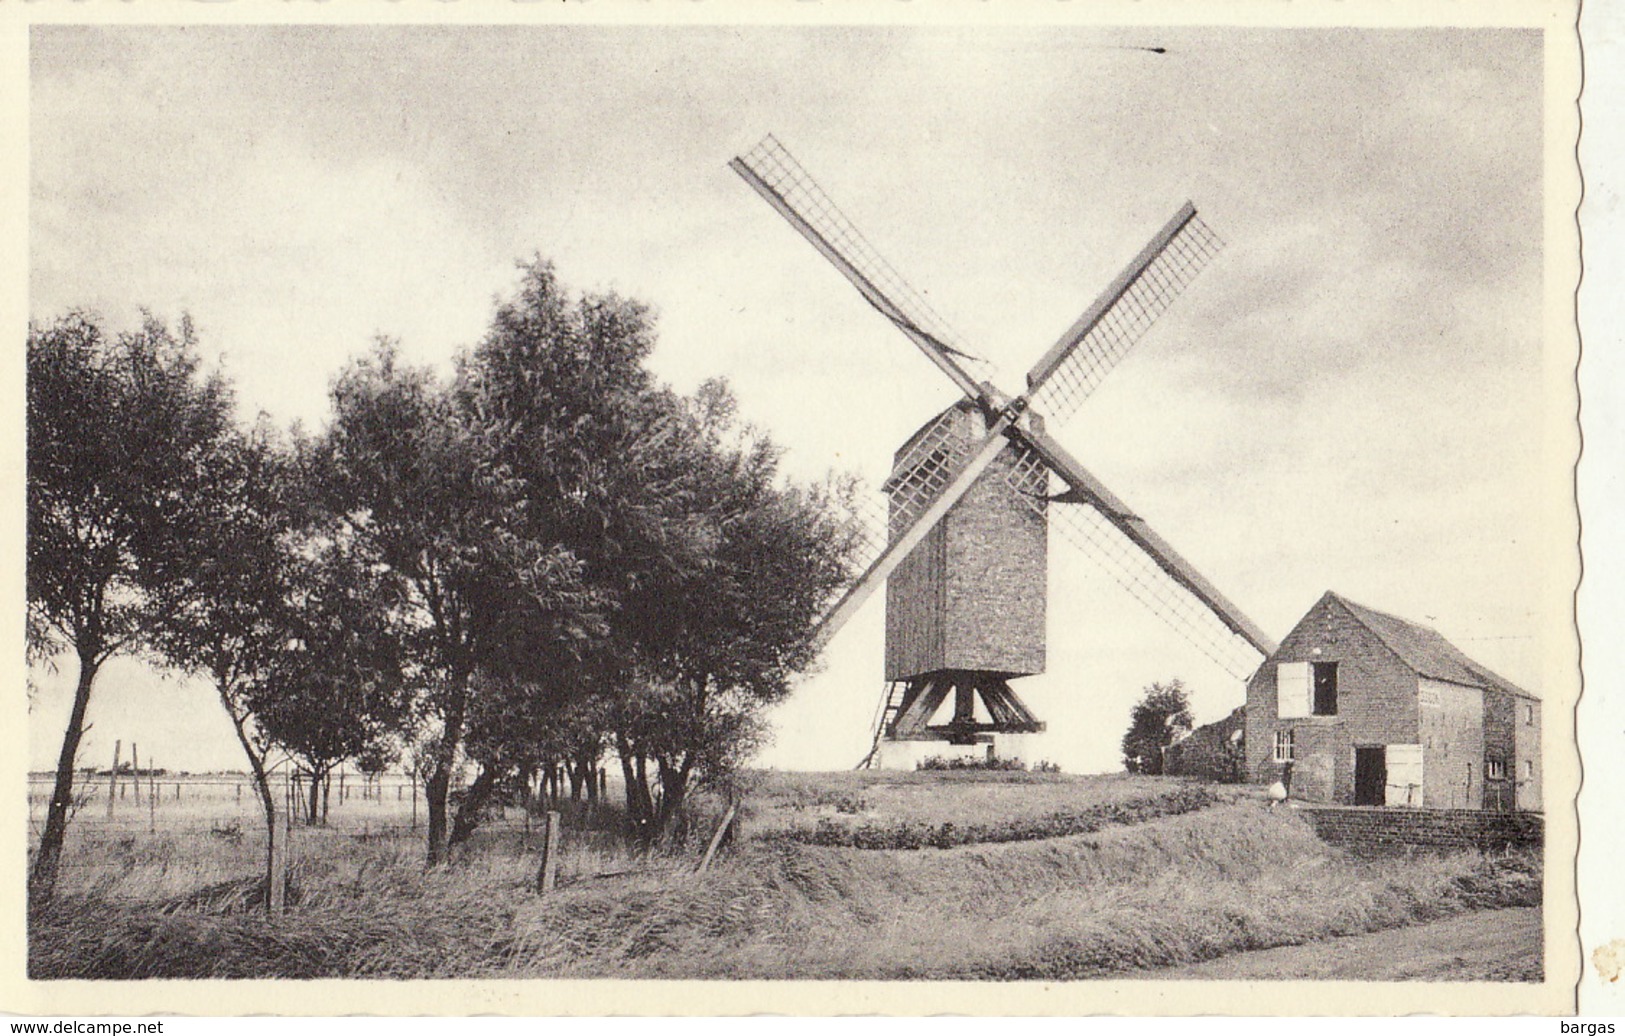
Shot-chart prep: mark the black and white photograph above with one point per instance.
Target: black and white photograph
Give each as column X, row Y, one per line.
column 1066, row 505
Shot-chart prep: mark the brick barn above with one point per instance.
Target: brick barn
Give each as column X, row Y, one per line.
column 1371, row 709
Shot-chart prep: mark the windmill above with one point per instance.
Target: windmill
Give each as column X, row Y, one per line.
column 969, row 498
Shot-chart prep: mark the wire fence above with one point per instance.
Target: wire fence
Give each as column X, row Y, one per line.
column 149, row 801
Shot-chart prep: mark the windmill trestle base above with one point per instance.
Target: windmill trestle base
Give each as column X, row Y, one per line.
column 923, row 695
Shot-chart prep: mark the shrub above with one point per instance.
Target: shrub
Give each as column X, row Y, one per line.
column 915, row 834
column 959, row 762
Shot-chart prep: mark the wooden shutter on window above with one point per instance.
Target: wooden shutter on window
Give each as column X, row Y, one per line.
column 1404, row 775
column 1292, row 688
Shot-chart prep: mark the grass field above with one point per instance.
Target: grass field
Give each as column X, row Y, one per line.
column 1168, row 875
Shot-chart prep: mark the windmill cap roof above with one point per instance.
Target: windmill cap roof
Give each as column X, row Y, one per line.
column 1424, row 650
column 962, row 405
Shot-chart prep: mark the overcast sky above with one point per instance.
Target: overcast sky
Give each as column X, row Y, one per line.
column 1347, row 399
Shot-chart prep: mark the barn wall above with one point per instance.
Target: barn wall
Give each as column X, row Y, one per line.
column 1526, row 750
column 1376, row 705
column 1453, row 734
column 1382, row 832
column 1500, row 742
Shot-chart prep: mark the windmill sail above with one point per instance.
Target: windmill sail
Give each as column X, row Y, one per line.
column 1083, row 356
column 1094, row 519
column 907, row 538
column 936, row 468
column 929, row 461
column 1088, row 530
column 776, row 175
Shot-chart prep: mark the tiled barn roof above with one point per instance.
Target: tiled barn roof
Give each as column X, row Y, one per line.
column 1425, row 651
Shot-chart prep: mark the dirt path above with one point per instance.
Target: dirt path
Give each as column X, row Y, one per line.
column 1488, row 945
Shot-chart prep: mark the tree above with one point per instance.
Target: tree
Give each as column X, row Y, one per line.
column 335, row 687
column 233, row 623
column 556, row 402
column 1162, row 715
column 413, row 474
column 123, row 436
column 718, row 640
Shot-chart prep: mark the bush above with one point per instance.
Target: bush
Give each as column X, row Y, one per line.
column 914, row 834
column 852, row 804
column 959, row 762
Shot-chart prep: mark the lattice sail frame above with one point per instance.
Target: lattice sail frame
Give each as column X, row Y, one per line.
column 1146, row 297
column 938, row 454
column 869, row 508
column 776, row 167
column 1092, row 533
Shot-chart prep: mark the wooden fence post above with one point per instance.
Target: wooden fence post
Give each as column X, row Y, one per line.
column 552, row 842
column 112, row 781
column 152, row 798
column 716, row 839
column 280, row 850
column 277, row 871
column 135, row 770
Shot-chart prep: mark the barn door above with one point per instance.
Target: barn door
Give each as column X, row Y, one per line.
column 1404, row 775
column 1370, row 776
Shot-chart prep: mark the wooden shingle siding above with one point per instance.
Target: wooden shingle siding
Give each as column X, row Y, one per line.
column 971, row 596
column 915, row 613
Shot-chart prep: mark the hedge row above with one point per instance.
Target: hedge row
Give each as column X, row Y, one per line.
column 915, row 834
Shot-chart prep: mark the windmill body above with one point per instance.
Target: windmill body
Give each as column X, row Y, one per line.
column 965, row 609
column 968, row 500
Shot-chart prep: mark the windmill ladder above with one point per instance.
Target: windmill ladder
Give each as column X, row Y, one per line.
column 889, row 707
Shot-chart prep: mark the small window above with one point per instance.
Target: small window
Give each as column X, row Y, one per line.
column 1325, row 688
column 1528, row 769
column 1528, row 715
column 1283, row 746
column 1495, row 769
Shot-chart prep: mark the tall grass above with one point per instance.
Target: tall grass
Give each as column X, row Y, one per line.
column 1174, row 890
